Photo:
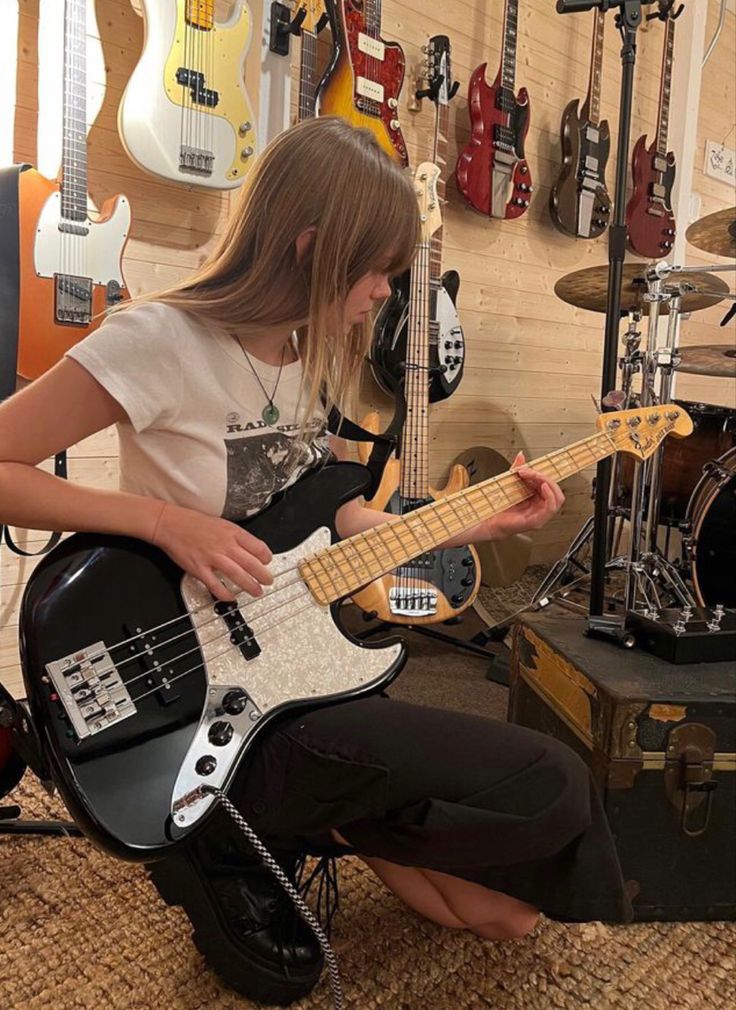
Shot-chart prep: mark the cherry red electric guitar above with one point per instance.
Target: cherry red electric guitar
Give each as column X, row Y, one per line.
column 492, row 173
column 650, row 223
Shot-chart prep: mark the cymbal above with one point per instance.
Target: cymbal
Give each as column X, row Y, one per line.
column 715, row 233
column 588, row 289
column 708, row 359
column 502, row 562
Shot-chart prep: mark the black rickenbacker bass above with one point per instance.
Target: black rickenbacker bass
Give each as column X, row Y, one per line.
column 144, row 689
column 446, row 339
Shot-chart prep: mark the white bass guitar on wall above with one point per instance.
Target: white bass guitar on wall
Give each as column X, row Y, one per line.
column 185, row 114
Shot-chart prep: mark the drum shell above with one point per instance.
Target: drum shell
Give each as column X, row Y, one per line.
column 711, row 541
column 683, row 459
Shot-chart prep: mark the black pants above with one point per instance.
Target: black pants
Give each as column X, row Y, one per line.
column 477, row 798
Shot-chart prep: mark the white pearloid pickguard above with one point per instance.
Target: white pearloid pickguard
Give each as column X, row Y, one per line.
column 304, row 657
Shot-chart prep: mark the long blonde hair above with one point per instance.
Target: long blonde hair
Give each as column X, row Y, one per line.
column 326, row 175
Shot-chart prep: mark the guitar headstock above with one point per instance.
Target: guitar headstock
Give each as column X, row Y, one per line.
column 440, row 86
column 425, row 186
column 315, row 15
column 641, row 431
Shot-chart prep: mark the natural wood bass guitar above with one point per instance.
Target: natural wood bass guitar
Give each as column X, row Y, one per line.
column 147, row 693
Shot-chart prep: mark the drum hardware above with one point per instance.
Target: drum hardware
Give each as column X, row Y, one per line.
column 588, row 288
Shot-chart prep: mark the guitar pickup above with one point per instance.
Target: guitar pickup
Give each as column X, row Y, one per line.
column 371, row 90
column 371, row 47
column 592, row 133
column 659, row 163
column 241, row 634
column 194, row 80
column 145, row 649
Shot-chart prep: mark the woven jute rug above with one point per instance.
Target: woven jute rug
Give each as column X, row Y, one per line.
column 82, row 931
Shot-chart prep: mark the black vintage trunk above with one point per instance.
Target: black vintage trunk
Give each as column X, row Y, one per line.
column 661, row 741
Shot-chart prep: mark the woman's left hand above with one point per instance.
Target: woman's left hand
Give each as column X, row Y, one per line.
column 531, row 514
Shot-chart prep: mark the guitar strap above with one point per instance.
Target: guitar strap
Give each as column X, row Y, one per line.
column 385, row 443
column 9, row 316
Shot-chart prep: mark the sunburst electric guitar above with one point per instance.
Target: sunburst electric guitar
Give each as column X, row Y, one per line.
column 363, row 81
column 185, row 114
column 70, row 263
column 435, row 584
column 147, row 694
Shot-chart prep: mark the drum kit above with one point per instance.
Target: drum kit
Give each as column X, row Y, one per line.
column 689, row 486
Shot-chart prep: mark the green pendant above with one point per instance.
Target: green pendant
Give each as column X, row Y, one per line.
column 270, row 413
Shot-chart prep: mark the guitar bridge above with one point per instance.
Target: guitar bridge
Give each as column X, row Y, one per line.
column 195, row 160
column 90, row 690
column 73, row 299
column 408, row 601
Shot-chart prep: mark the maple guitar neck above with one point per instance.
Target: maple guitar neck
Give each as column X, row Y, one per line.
column 346, row 566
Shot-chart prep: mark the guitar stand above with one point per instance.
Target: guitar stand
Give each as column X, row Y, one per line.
column 26, row 753
column 499, row 656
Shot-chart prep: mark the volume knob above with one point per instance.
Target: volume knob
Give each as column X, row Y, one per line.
column 221, row 733
column 235, row 701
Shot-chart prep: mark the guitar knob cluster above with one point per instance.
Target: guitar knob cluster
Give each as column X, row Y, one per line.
column 234, row 702
column 458, row 344
column 520, row 201
column 670, row 231
column 526, row 189
column 221, row 733
column 666, row 245
column 467, row 561
column 467, row 581
column 206, row 765
column 524, row 169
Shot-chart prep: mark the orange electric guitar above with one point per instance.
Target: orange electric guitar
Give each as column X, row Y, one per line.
column 70, row 265
column 363, row 81
column 437, row 584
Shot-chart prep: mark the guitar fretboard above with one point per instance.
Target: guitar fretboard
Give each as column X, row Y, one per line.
column 74, row 118
column 307, row 76
column 372, row 14
column 596, row 65
column 415, row 438
column 508, row 55
column 346, row 566
column 663, row 118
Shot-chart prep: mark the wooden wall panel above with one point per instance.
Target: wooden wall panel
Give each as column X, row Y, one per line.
column 533, row 362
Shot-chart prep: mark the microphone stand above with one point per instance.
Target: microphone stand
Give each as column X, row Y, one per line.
column 628, row 19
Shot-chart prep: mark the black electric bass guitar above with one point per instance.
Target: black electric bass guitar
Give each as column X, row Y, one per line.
column 579, row 202
column 147, row 693
column 446, row 340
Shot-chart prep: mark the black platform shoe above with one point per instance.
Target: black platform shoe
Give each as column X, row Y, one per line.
column 245, row 925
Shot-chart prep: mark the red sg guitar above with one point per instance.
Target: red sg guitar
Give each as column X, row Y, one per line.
column 650, row 223
column 492, row 173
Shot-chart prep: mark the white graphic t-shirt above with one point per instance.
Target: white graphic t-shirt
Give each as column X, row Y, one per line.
column 195, row 435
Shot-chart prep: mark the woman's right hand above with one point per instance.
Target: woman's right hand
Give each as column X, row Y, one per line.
column 207, row 547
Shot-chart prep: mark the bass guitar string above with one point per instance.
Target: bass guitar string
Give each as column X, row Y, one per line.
column 201, row 666
column 224, row 634
column 295, row 568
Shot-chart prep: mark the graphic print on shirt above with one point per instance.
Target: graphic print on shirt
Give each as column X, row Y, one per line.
column 264, row 462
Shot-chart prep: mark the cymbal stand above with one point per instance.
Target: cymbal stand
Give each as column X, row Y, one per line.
column 646, row 568
column 631, row 362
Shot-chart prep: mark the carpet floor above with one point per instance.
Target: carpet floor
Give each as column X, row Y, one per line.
column 81, row 931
